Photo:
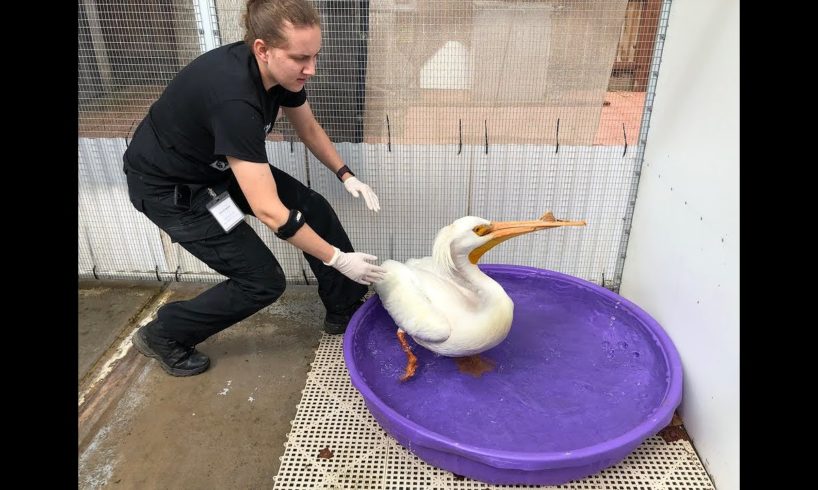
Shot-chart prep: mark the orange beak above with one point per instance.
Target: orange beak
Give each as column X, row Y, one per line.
column 501, row 231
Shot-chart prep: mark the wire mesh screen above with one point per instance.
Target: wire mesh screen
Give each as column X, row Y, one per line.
column 502, row 109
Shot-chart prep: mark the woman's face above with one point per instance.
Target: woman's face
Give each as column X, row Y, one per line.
column 292, row 64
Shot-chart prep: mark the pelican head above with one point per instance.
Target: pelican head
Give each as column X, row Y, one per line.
column 473, row 236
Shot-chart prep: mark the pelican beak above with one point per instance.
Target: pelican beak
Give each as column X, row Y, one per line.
column 501, row 231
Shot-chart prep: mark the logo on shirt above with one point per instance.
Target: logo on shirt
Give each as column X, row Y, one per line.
column 220, row 165
column 267, row 127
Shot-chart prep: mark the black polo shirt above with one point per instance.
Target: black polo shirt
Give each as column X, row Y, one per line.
column 213, row 108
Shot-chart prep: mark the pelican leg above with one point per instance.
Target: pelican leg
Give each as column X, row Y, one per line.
column 412, row 361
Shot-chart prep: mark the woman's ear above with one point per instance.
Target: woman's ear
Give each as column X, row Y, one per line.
column 260, row 49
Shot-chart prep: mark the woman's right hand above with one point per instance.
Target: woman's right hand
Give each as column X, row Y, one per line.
column 356, row 266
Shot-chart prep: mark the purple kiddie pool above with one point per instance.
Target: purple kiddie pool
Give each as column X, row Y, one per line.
column 583, row 378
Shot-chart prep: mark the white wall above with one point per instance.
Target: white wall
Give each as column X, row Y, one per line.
column 682, row 262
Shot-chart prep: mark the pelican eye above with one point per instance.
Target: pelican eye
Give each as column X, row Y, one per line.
column 482, row 230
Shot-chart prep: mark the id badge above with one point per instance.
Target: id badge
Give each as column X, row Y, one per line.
column 224, row 209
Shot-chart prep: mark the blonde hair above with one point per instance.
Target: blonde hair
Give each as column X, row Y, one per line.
column 265, row 19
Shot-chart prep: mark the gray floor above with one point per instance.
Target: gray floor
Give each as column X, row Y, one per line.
column 225, row 428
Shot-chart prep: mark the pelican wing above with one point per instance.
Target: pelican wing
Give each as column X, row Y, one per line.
column 405, row 297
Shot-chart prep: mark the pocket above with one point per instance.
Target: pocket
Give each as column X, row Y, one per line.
column 135, row 198
column 181, row 196
column 139, row 204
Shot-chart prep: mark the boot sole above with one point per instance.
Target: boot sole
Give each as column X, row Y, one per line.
column 146, row 351
column 333, row 329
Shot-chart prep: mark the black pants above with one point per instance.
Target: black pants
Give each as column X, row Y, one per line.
column 255, row 278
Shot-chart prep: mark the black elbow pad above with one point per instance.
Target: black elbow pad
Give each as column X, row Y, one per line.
column 293, row 224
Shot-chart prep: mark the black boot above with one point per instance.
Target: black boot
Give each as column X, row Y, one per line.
column 336, row 323
column 175, row 358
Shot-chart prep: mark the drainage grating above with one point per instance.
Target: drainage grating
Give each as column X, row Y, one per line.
column 336, row 444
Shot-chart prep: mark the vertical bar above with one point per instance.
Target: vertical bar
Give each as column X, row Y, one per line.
column 645, row 42
column 98, row 42
column 206, row 20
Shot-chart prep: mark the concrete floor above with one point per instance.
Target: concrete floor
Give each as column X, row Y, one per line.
column 225, row 428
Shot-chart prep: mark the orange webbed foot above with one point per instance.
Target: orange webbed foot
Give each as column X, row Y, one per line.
column 412, row 361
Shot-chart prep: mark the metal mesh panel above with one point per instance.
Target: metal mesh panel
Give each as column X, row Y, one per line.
column 128, row 52
column 498, row 108
column 335, row 443
column 452, row 71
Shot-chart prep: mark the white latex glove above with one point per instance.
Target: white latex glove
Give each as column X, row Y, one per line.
column 354, row 265
column 355, row 186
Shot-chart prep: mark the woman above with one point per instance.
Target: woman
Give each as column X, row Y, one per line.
column 197, row 164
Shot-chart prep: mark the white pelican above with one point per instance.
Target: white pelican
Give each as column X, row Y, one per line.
column 444, row 302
